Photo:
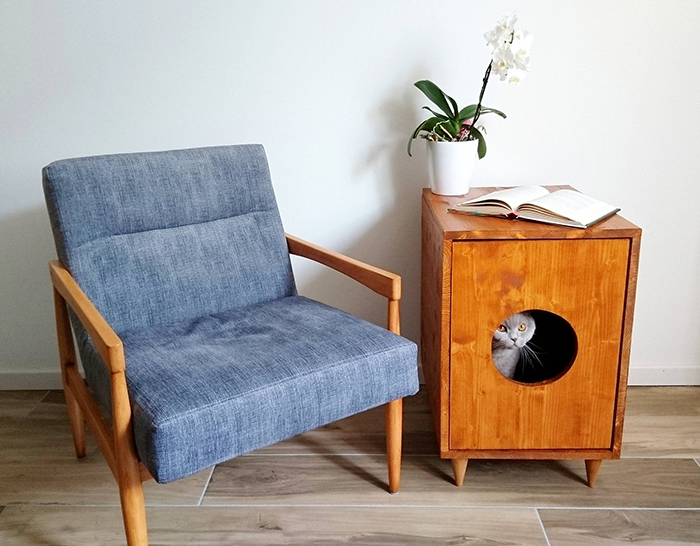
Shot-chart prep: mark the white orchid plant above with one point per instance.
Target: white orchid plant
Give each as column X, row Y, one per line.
column 510, row 60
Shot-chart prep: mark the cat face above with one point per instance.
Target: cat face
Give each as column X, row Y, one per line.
column 515, row 331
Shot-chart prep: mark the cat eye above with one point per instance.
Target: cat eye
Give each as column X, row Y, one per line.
column 522, row 327
column 501, row 328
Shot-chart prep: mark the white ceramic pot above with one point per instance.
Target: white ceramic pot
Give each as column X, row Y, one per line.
column 450, row 165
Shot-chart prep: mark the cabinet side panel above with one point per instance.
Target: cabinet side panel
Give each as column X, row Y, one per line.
column 626, row 342
column 434, row 346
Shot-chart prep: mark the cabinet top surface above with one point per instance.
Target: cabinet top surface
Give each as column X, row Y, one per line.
column 463, row 226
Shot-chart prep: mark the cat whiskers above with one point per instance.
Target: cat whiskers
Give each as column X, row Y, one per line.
column 530, row 356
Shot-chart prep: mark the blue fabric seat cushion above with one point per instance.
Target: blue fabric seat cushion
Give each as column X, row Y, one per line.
column 206, row 390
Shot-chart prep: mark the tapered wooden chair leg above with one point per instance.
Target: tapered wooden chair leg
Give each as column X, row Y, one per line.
column 77, row 423
column 394, row 430
column 128, row 473
column 66, row 352
column 134, row 513
column 459, row 467
column 592, row 468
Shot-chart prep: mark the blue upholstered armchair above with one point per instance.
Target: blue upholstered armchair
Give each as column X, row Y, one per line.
column 174, row 271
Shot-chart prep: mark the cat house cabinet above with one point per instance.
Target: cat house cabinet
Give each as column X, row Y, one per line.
column 578, row 284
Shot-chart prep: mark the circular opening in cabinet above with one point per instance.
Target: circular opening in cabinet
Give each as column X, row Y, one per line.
column 534, row 346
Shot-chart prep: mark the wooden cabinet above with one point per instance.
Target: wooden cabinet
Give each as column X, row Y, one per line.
column 478, row 271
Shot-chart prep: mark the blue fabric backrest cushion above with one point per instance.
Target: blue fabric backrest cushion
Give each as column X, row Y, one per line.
column 158, row 238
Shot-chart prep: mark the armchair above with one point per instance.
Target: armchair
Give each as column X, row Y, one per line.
column 174, row 273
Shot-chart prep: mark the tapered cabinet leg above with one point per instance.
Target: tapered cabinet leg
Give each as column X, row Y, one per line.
column 592, row 469
column 394, row 430
column 459, row 467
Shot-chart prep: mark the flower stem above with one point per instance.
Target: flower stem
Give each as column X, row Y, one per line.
column 481, row 95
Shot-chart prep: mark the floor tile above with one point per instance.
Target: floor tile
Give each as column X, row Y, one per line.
column 663, row 401
column 656, row 428
column 66, row 480
column 76, row 526
column 621, row 527
column 365, row 433
column 661, row 436
column 19, row 403
column 361, row 480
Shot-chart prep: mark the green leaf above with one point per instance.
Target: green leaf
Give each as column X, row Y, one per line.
column 481, row 148
column 447, row 128
column 453, row 102
column 428, row 125
column 466, row 113
column 485, row 110
column 436, row 114
column 435, row 94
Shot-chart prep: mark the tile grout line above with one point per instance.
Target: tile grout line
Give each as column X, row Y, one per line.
column 206, row 486
column 38, row 403
column 544, row 531
column 377, row 506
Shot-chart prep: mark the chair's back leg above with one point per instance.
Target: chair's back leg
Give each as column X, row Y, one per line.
column 66, row 351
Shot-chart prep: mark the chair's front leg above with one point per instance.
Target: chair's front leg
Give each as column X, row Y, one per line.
column 394, row 430
column 394, row 413
column 129, row 475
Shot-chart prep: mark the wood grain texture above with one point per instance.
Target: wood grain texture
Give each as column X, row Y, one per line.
column 428, row 481
column 459, row 469
column 618, row 527
column 592, row 469
column 630, row 298
column 365, row 433
column 436, row 283
column 38, row 467
column 662, row 422
column 269, row 526
column 19, row 403
column 394, row 429
column 38, row 464
column 106, row 341
column 379, row 280
column 493, row 280
column 588, row 277
column 63, row 479
column 66, row 354
column 461, row 226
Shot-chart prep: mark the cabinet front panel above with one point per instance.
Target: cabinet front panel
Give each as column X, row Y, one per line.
column 581, row 280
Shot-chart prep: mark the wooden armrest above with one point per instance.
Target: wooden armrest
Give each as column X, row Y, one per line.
column 382, row 282
column 105, row 339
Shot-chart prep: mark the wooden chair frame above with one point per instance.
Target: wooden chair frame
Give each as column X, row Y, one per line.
column 117, row 442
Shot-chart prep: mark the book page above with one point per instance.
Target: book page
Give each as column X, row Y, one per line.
column 572, row 204
column 512, row 197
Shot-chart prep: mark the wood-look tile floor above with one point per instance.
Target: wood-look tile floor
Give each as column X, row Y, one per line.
column 329, row 487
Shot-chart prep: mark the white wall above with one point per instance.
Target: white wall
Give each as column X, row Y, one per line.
column 610, row 107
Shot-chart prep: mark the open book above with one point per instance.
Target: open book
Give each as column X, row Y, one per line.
column 562, row 207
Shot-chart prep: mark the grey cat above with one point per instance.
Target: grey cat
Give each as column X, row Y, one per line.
column 510, row 342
